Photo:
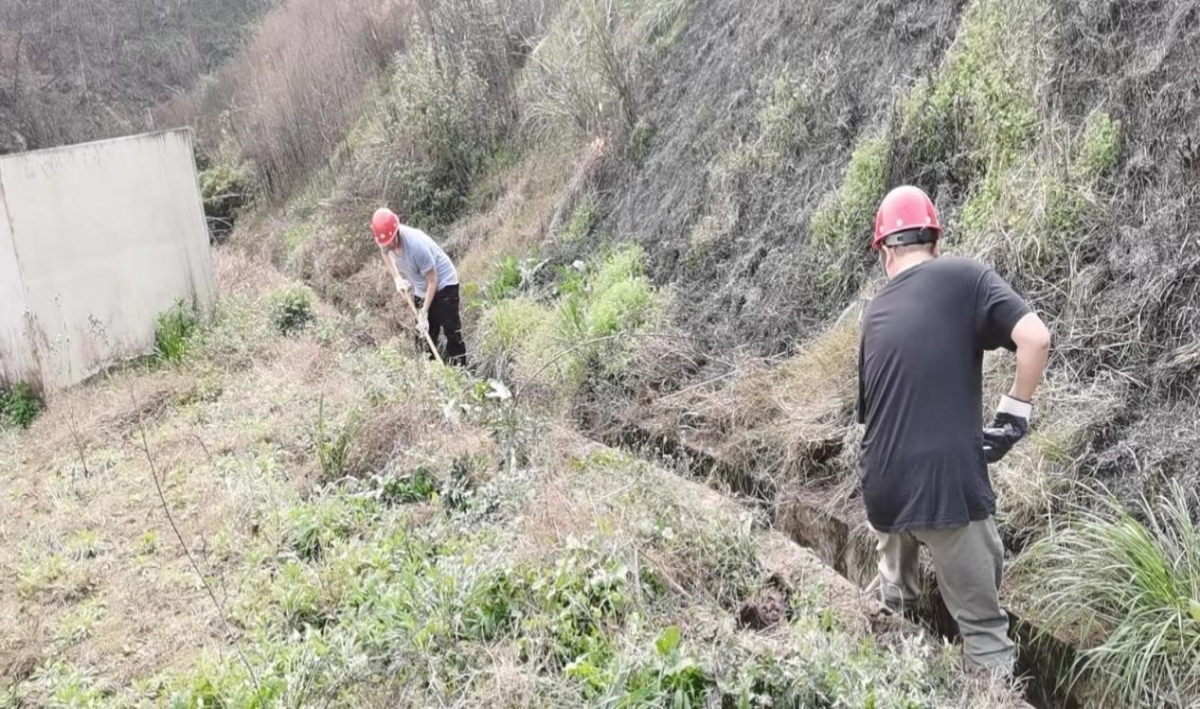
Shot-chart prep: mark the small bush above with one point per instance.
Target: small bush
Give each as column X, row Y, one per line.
column 291, row 309
column 19, row 406
column 173, row 331
column 417, row 486
column 1129, row 585
column 226, row 192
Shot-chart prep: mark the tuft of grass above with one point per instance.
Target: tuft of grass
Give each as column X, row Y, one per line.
column 1128, row 584
column 76, row 623
column 39, row 575
column 1097, row 148
column 291, row 309
column 781, row 119
column 843, row 220
column 20, row 405
column 641, row 141
column 173, row 331
column 333, row 447
column 583, row 220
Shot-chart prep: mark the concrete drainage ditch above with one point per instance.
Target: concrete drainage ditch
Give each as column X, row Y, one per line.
column 844, row 544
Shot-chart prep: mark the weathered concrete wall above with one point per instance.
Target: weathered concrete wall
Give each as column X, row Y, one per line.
column 96, row 240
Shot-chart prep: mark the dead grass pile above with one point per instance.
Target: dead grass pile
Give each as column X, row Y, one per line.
column 779, row 420
column 1040, row 476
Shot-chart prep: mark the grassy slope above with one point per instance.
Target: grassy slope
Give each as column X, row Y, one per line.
column 460, row 552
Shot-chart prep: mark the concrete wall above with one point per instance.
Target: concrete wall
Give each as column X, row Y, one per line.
column 96, row 240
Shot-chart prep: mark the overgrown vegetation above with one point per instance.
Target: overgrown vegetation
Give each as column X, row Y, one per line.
column 554, row 341
column 173, row 331
column 1128, row 585
column 19, row 405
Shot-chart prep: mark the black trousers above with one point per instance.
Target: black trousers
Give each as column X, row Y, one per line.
column 444, row 318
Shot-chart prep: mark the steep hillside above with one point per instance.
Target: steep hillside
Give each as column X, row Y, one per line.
column 77, row 71
column 660, row 210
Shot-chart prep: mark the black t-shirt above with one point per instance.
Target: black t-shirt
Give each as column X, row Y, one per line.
column 920, row 393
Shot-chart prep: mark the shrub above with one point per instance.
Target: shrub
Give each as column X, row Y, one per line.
column 19, row 405
column 226, row 192
column 291, row 309
column 1129, row 585
column 173, row 331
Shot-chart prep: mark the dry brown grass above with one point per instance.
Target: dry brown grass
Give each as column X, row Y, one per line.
column 1042, row 472
column 292, row 101
column 780, row 419
column 519, row 220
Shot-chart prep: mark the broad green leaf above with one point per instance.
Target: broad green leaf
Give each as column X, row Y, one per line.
column 669, row 640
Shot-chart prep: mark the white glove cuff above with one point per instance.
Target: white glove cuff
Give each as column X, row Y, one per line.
column 1015, row 407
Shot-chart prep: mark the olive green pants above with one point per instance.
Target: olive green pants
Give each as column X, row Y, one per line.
column 969, row 563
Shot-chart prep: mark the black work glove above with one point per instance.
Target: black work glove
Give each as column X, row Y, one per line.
column 1010, row 425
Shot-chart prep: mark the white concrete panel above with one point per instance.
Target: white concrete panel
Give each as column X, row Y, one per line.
column 16, row 362
column 107, row 235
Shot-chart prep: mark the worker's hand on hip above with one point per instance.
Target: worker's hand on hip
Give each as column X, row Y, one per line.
column 401, row 285
column 423, row 323
column 1010, row 426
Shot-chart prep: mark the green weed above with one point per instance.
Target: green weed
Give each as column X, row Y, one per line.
column 583, row 220
column 75, row 624
column 173, row 331
column 418, row 486
column 19, row 406
column 333, row 447
column 782, row 121
column 39, row 575
column 641, row 141
column 83, row 545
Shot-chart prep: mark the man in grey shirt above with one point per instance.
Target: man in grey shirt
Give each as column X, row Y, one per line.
column 416, row 261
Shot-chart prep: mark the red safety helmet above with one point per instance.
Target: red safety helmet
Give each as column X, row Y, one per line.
column 906, row 209
column 384, row 225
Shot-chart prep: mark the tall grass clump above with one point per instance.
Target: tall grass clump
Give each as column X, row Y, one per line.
column 842, row 221
column 582, row 73
column 581, row 328
column 173, row 331
column 1128, row 583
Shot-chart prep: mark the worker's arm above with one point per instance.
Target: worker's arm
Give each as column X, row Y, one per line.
column 402, row 286
column 1032, row 338
column 431, row 278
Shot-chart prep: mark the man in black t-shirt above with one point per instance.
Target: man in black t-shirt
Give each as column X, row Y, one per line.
column 925, row 450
